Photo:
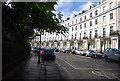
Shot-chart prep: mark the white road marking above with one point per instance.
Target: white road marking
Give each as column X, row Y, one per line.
column 105, row 74
column 83, row 68
column 65, row 70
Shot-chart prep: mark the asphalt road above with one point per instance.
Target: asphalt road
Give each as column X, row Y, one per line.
column 81, row 67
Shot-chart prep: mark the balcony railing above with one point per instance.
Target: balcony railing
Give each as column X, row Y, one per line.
column 96, row 36
column 85, row 37
column 114, row 33
column 61, row 40
column 55, row 40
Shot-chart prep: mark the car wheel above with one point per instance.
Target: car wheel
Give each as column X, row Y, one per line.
column 119, row 60
column 106, row 58
column 80, row 54
column 93, row 56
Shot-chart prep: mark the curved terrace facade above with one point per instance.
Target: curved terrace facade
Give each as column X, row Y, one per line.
column 97, row 28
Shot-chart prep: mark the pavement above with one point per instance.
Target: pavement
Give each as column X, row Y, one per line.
column 31, row 70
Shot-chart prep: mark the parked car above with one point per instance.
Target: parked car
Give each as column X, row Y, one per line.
column 48, row 54
column 56, row 50
column 96, row 55
column 64, row 51
column 73, row 51
column 89, row 53
column 68, row 51
column 78, row 51
column 111, row 53
column 61, row 50
column 36, row 50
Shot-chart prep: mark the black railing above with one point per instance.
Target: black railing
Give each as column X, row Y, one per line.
column 96, row 36
column 85, row 37
column 114, row 33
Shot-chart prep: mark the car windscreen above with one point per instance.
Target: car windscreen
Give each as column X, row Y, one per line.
column 91, row 51
column 48, row 50
column 79, row 50
column 116, row 51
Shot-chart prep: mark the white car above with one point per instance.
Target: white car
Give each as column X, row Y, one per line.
column 111, row 53
column 80, row 52
column 89, row 53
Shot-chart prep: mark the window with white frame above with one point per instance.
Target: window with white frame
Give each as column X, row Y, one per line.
column 68, row 23
column 85, row 17
column 72, row 22
column 96, row 33
column 104, row 8
column 96, row 12
column 72, row 36
column 90, row 23
column 96, row 21
column 84, row 25
column 72, row 28
column 75, row 36
column 90, row 34
column 81, row 19
column 111, row 5
column 80, row 35
column 76, row 20
column 104, row 32
column 80, row 26
column 90, row 15
column 76, row 28
column 104, row 18
column 111, row 29
column 111, row 16
column 84, row 34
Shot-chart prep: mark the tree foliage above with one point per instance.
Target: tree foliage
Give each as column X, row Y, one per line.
column 19, row 19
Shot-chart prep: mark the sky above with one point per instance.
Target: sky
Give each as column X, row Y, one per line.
column 70, row 7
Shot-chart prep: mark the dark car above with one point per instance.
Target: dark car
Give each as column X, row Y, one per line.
column 36, row 50
column 49, row 54
column 73, row 51
column 56, row 50
column 68, row 51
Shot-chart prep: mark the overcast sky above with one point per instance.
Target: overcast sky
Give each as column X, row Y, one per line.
column 70, row 7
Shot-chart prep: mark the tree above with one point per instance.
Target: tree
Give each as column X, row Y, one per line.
column 21, row 18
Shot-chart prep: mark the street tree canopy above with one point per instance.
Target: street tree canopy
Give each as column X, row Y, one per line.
column 21, row 18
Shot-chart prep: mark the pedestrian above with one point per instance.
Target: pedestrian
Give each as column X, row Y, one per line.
column 40, row 56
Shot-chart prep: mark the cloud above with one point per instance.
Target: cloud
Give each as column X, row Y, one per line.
column 70, row 7
column 87, row 5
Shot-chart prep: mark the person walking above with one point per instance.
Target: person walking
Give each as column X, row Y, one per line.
column 40, row 56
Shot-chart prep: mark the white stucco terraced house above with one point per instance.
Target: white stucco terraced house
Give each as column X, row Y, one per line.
column 97, row 28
